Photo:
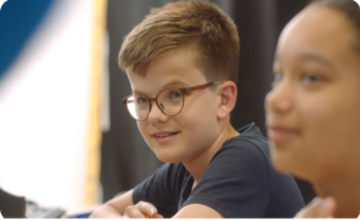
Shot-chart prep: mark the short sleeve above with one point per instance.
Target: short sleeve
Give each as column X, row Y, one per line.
column 161, row 189
column 236, row 182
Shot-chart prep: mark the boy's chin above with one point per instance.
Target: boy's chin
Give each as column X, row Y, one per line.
column 166, row 158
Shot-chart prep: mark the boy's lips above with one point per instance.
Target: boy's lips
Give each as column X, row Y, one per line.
column 280, row 134
column 163, row 133
column 164, row 137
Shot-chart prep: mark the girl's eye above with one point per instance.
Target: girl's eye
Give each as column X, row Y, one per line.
column 277, row 79
column 310, row 78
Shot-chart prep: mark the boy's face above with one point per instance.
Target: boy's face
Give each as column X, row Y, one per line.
column 313, row 111
column 187, row 135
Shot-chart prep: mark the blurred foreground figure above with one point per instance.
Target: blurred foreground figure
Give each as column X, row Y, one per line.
column 313, row 110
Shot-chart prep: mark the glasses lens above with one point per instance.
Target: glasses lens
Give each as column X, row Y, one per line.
column 171, row 101
column 138, row 107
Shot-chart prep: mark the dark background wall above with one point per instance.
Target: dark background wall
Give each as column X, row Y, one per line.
column 125, row 158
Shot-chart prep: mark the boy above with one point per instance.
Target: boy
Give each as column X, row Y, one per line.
column 182, row 64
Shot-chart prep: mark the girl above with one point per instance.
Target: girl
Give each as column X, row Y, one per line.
column 313, row 110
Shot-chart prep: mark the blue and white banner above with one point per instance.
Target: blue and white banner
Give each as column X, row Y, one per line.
column 46, row 59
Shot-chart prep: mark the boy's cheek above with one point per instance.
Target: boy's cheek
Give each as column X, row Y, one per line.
column 142, row 128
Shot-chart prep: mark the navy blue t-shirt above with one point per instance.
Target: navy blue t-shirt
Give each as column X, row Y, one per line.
column 239, row 182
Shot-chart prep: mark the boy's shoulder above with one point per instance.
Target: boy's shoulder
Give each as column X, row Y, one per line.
column 242, row 168
column 250, row 143
column 250, row 133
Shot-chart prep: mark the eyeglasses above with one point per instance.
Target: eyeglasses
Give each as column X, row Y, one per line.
column 170, row 101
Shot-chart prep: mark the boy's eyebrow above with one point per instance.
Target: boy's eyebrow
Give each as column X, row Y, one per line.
column 174, row 83
column 170, row 84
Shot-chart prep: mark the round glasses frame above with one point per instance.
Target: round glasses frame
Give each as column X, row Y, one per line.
column 184, row 91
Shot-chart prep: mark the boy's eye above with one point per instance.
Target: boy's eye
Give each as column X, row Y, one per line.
column 277, row 79
column 175, row 94
column 141, row 100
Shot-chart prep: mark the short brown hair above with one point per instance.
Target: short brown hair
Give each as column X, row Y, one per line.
column 198, row 25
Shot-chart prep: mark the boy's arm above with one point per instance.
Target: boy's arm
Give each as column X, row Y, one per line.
column 198, row 211
column 123, row 207
column 114, row 208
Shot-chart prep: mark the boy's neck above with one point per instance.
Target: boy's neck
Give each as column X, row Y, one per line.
column 197, row 166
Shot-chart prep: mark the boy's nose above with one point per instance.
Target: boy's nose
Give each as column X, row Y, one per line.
column 280, row 98
column 155, row 114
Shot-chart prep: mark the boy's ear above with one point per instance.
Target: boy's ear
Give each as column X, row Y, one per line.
column 227, row 92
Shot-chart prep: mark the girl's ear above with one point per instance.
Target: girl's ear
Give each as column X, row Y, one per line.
column 227, row 92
